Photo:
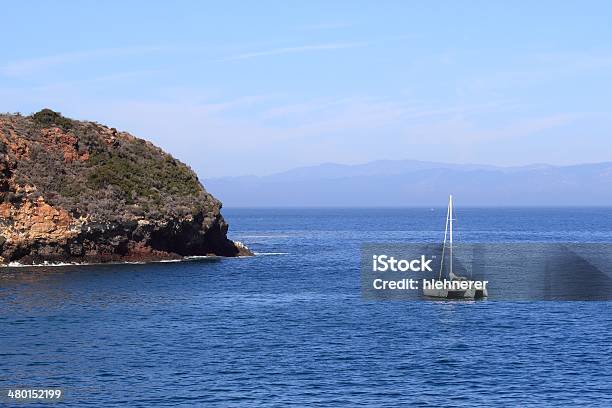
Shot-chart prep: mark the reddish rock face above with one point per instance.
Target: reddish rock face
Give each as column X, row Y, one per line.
column 38, row 221
column 15, row 144
column 80, row 192
column 67, row 144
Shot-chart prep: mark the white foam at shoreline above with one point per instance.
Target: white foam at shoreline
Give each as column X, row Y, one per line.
column 20, row 265
column 183, row 259
column 60, row 264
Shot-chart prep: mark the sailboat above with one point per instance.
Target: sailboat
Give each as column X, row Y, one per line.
column 453, row 286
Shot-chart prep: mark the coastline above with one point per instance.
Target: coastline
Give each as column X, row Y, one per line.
column 193, row 258
column 245, row 252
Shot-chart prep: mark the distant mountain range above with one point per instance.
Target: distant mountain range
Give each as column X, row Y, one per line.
column 419, row 183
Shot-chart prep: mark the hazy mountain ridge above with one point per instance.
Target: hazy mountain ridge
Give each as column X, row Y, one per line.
column 418, row 183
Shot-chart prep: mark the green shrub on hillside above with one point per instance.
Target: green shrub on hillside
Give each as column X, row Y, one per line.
column 48, row 117
column 141, row 176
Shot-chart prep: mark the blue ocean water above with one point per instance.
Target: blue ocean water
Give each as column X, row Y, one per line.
column 290, row 326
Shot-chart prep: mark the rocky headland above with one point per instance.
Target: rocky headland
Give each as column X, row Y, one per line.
column 78, row 191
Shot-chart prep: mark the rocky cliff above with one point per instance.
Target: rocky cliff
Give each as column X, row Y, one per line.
column 76, row 191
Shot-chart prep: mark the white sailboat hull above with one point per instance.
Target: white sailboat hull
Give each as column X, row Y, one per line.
column 470, row 293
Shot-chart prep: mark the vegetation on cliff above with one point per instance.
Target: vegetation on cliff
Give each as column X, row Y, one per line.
column 119, row 196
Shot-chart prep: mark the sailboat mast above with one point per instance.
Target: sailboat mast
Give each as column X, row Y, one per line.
column 444, row 243
column 450, row 214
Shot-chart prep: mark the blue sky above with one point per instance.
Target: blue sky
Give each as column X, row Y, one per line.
column 236, row 88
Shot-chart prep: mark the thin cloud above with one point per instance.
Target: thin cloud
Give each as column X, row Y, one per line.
column 118, row 76
column 33, row 65
column 327, row 26
column 295, row 50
